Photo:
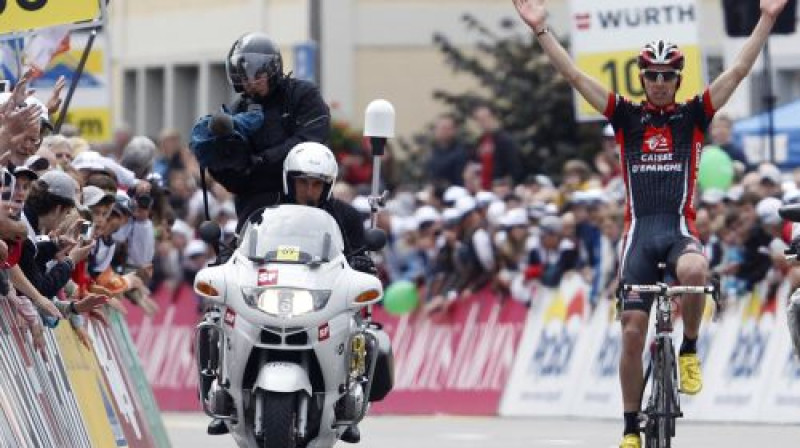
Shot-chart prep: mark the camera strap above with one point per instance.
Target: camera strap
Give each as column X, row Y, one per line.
column 205, row 192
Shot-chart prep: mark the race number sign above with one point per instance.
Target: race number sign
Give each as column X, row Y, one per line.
column 607, row 37
column 24, row 15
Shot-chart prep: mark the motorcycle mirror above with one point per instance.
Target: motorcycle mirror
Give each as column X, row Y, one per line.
column 790, row 212
column 375, row 239
column 210, row 233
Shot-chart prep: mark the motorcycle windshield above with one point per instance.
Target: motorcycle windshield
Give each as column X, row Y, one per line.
column 292, row 234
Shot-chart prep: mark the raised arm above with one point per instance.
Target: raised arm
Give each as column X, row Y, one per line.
column 534, row 14
column 722, row 88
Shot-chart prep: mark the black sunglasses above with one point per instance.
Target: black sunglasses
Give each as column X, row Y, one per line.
column 665, row 76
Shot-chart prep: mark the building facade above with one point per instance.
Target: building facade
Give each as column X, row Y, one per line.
column 168, row 57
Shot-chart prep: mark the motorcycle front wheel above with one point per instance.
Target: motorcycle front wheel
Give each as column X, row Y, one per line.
column 279, row 420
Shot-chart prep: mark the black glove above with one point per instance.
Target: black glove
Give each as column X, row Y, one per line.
column 363, row 263
column 794, row 246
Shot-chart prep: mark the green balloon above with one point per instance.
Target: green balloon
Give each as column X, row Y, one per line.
column 400, row 298
column 716, row 169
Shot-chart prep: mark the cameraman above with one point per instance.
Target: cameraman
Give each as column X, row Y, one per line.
column 294, row 112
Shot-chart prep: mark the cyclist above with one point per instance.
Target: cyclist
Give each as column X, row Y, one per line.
column 660, row 149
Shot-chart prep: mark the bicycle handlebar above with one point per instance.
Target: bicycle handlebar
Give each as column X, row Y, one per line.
column 670, row 290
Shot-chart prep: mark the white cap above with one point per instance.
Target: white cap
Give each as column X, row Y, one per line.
column 89, row 160
column 485, row 198
column 767, row 210
column 182, row 228
column 712, row 196
column 426, row 214
column 361, row 203
column 770, row 172
column 195, row 247
column 465, row 205
column 94, row 195
column 791, row 196
column 735, row 193
column 454, row 193
column 593, row 196
column 495, row 212
column 515, row 217
column 551, row 224
column 230, row 227
column 451, row 216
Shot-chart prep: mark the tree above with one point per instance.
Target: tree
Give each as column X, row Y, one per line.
column 533, row 101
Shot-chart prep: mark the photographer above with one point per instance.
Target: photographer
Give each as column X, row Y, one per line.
column 294, row 112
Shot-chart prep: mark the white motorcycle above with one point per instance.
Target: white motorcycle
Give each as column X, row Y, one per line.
column 792, row 213
column 289, row 357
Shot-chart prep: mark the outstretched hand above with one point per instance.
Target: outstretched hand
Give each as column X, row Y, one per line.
column 772, row 7
column 533, row 12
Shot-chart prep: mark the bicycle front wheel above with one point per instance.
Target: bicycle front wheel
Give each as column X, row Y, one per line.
column 666, row 407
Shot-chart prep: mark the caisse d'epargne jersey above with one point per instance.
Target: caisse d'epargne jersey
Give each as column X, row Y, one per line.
column 660, row 154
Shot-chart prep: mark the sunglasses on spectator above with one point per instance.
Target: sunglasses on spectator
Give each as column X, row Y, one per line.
column 665, row 76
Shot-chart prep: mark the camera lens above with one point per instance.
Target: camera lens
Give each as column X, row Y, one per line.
column 144, row 201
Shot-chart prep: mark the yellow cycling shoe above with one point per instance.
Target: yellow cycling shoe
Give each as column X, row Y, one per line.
column 631, row 441
column 691, row 377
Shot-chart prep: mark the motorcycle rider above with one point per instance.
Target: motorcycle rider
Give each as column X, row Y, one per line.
column 294, row 112
column 309, row 174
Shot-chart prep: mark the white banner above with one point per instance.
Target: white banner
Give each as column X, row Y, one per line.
column 568, row 361
column 548, row 362
column 607, row 37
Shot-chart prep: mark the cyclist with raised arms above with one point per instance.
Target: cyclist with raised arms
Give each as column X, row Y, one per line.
column 660, row 141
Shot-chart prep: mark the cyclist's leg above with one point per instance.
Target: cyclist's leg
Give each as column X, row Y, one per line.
column 691, row 269
column 636, row 268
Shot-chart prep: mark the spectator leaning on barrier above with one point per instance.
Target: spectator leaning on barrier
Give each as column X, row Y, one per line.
column 552, row 255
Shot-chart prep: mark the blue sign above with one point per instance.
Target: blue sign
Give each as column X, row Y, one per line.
column 305, row 61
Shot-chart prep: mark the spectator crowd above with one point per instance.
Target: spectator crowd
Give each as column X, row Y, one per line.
column 84, row 226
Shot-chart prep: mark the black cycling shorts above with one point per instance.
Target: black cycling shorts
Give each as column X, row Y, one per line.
column 651, row 240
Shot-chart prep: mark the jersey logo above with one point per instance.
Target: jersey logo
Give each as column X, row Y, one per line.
column 657, row 140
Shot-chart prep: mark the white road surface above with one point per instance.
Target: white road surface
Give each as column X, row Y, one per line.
column 189, row 430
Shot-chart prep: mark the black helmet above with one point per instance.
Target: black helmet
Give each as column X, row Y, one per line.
column 251, row 55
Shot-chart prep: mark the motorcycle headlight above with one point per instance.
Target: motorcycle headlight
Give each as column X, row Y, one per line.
column 285, row 302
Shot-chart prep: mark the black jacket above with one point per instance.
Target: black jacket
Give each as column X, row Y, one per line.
column 295, row 112
column 447, row 163
column 34, row 259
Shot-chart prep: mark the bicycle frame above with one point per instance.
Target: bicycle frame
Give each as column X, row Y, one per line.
column 663, row 404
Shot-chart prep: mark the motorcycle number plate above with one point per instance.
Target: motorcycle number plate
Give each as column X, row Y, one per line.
column 288, row 253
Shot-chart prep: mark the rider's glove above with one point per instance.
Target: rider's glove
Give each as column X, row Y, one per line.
column 363, row 263
column 794, row 246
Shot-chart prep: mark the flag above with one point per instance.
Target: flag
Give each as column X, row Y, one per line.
column 43, row 47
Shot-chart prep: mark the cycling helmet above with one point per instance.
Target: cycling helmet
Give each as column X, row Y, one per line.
column 310, row 159
column 661, row 52
column 252, row 55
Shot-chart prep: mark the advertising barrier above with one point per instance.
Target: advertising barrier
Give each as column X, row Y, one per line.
column 164, row 344
column 75, row 398
column 568, row 365
column 456, row 363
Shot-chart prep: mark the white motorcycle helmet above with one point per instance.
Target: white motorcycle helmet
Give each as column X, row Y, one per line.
column 313, row 160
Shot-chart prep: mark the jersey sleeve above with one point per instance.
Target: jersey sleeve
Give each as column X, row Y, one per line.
column 701, row 110
column 617, row 109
